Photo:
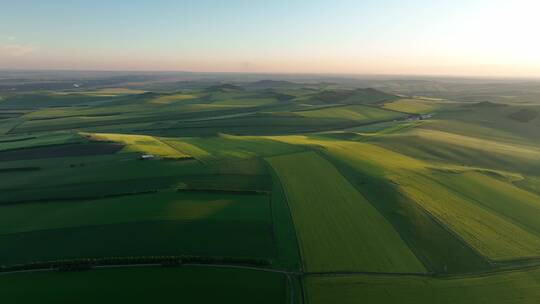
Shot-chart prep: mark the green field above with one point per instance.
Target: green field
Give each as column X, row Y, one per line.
column 165, row 206
column 172, row 98
column 337, row 228
column 139, row 225
column 29, row 141
column 417, row 106
column 493, row 236
column 319, row 190
column 144, row 285
column 498, row 195
column 142, row 144
column 507, row 287
column 353, row 112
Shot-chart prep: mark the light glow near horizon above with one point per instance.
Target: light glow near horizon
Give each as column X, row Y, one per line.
column 417, row 37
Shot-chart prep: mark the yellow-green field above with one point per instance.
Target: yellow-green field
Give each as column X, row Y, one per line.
column 172, row 98
column 337, row 228
column 352, row 112
column 142, row 144
column 500, row 196
column 516, row 287
column 416, row 106
column 491, row 234
column 248, row 102
column 514, row 150
column 300, row 191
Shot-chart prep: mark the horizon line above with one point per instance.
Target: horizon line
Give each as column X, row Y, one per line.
column 402, row 75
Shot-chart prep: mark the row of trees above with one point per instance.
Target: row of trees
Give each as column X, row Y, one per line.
column 165, row 261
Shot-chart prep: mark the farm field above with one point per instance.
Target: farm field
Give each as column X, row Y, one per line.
column 331, row 218
column 183, row 206
column 508, row 287
column 141, row 143
column 352, row 112
column 488, row 233
column 141, row 285
column 416, row 106
column 268, row 191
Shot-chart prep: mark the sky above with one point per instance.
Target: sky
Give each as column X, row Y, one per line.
column 388, row 37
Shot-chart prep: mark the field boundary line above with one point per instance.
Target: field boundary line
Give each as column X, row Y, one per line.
column 486, row 273
column 96, row 267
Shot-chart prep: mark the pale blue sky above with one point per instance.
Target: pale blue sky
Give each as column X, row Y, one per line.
column 477, row 37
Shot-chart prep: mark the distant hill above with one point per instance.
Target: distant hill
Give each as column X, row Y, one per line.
column 226, row 87
column 357, row 96
column 274, row 84
column 277, row 95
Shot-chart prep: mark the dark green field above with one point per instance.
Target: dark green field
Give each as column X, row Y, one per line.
column 250, row 190
column 148, row 284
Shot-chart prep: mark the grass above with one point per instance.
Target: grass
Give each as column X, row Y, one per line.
column 376, row 127
column 351, row 112
column 163, row 223
column 473, row 150
column 493, row 236
column 60, row 151
column 141, row 143
column 186, row 206
column 172, row 98
column 110, row 168
column 188, row 284
column 518, row 205
column 244, row 102
column 61, row 190
column 71, row 122
column 415, row 106
column 513, row 150
column 36, row 100
column 119, row 174
column 29, row 141
column 338, row 230
column 344, row 185
column 254, row 124
column 288, row 252
column 54, row 114
column 498, row 118
column 207, row 238
column 124, row 173
column 357, row 96
column 530, row 183
column 184, row 147
column 226, row 146
column 7, row 124
column 516, row 287
column 437, row 247
column 490, row 234
column 474, row 130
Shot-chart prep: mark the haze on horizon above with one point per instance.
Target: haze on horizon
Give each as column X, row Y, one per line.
column 459, row 38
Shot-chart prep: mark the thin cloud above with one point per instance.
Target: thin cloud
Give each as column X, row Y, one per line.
column 16, row 50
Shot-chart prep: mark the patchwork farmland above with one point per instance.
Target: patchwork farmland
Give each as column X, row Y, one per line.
column 267, row 192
